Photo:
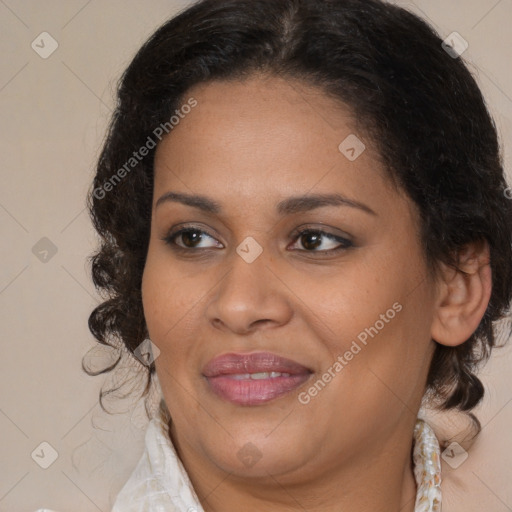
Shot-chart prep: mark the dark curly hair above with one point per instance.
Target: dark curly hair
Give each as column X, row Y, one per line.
column 418, row 103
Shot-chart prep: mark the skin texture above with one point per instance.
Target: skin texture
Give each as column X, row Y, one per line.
column 247, row 146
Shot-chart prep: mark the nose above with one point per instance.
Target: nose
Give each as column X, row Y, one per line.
column 251, row 296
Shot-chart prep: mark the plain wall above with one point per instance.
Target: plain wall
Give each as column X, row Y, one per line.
column 53, row 116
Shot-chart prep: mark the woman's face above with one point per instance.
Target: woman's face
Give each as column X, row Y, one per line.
column 280, row 352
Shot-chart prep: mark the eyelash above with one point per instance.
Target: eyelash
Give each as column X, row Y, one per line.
column 296, row 235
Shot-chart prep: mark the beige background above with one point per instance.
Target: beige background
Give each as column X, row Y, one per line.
column 53, row 115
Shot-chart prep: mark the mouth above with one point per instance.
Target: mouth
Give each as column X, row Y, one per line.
column 255, row 378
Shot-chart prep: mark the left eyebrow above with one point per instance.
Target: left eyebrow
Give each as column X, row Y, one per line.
column 311, row 201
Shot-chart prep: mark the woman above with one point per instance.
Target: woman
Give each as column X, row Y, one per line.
column 306, row 236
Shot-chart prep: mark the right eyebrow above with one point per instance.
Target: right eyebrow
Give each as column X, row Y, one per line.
column 196, row 201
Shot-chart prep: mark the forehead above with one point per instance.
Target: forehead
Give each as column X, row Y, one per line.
column 266, row 135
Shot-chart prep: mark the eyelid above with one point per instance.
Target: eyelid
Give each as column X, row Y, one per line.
column 316, row 228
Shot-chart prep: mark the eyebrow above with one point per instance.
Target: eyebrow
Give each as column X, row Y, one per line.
column 295, row 204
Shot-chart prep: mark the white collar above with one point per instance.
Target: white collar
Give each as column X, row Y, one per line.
column 427, row 468
column 160, row 483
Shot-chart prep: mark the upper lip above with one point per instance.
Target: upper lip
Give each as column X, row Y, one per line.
column 256, row 362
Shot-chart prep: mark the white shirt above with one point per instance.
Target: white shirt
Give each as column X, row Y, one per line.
column 159, row 483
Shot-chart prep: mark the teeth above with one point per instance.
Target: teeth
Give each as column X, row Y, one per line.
column 258, row 376
column 261, row 375
column 241, row 376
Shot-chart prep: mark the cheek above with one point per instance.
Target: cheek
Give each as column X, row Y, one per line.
column 168, row 296
column 377, row 315
column 168, row 307
column 359, row 295
column 173, row 299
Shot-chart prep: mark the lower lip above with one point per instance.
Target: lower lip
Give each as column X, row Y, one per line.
column 254, row 391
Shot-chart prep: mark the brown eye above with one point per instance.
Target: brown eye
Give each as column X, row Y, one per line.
column 312, row 239
column 191, row 238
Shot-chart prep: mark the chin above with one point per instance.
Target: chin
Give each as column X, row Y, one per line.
column 257, row 450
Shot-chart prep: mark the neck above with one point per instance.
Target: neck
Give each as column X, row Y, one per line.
column 381, row 479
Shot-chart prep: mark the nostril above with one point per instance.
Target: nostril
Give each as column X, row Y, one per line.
column 217, row 322
column 263, row 320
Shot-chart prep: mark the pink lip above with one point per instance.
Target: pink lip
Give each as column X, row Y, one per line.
column 220, row 372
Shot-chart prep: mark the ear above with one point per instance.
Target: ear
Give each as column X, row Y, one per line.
column 462, row 295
